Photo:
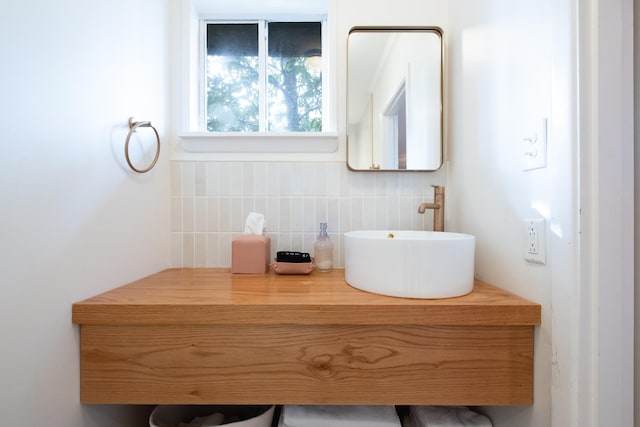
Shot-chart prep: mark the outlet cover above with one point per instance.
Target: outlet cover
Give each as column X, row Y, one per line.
column 535, row 249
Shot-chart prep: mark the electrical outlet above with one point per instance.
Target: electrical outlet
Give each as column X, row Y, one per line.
column 534, row 241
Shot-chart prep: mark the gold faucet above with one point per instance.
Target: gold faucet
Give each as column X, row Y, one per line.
column 437, row 206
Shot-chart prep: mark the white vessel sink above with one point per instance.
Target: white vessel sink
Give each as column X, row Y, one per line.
column 410, row 264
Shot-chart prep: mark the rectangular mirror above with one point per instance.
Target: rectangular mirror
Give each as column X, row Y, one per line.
column 394, row 98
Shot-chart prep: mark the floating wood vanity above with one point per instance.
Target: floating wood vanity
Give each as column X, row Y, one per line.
column 206, row 336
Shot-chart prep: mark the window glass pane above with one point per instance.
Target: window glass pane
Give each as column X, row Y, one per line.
column 232, row 73
column 294, row 76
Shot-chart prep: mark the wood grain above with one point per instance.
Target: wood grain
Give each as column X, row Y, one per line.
column 215, row 296
column 206, row 336
column 307, row 364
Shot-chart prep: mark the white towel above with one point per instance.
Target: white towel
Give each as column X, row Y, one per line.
column 447, row 416
column 339, row 416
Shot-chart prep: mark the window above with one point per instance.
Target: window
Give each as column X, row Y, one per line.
column 255, row 85
column 263, row 76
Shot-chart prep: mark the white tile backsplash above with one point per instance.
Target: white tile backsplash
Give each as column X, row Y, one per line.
column 210, row 201
column 200, row 179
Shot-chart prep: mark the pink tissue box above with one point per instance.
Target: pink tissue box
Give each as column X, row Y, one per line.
column 250, row 253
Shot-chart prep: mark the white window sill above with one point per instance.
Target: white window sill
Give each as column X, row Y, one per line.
column 262, row 142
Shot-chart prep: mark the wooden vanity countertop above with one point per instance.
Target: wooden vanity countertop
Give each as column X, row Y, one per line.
column 185, row 296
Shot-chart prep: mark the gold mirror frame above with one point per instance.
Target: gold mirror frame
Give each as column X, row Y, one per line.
column 424, row 73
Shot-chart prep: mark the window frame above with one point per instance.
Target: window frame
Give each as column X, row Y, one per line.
column 262, row 66
column 191, row 137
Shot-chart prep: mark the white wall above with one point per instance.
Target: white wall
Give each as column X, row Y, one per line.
column 74, row 221
column 511, row 64
column 500, row 89
column 607, row 220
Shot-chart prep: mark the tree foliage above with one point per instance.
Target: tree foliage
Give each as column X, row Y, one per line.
column 294, row 95
column 233, row 94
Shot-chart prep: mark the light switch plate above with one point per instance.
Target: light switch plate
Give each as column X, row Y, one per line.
column 534, row 148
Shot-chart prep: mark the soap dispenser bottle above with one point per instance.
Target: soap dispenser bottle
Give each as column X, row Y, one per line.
column 323, row 249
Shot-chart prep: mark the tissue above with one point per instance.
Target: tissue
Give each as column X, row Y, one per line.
column 250, row 252
column 254, row 224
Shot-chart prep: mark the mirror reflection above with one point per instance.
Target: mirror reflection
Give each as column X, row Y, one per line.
column 394, row 98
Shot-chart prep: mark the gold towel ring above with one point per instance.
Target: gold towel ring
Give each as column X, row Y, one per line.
column 132, row 128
